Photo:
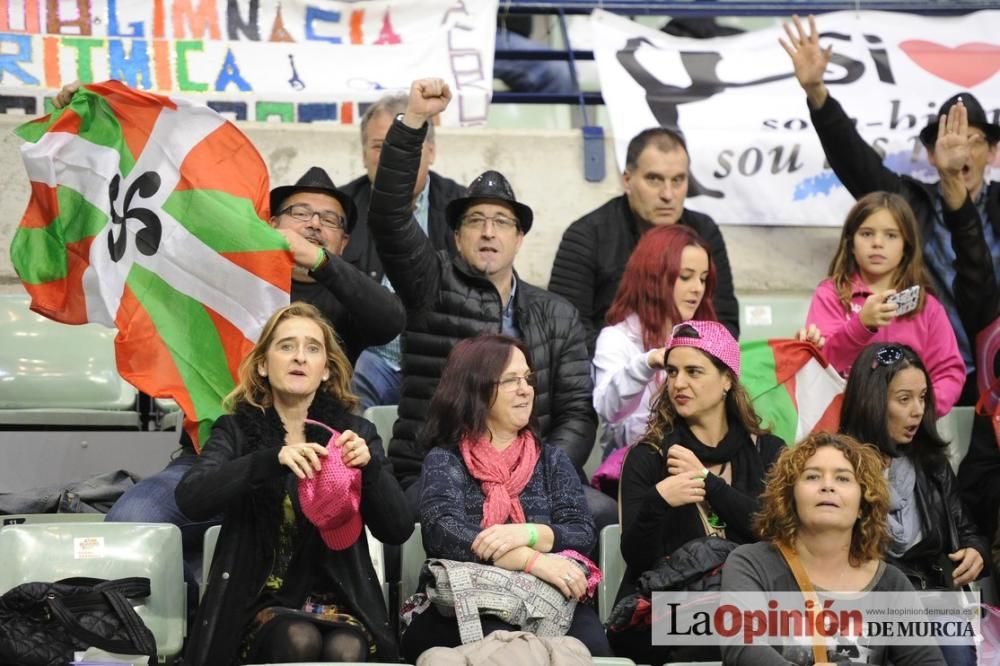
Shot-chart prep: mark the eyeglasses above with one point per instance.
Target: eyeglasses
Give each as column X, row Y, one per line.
column 890, row 355
column 511, row 384
column 328, row 218
column 478, row 222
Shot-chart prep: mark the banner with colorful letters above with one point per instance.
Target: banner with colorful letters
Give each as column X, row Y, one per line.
column 753, row 150
column 261, row 60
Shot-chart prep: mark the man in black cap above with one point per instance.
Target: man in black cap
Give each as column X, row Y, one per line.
column 317, row 219
column 450, row 298
column 960, row 144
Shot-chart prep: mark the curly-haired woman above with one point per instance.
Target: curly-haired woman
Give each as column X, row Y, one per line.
column 826, row 504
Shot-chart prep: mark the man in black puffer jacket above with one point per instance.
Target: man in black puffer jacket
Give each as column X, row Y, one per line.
column 449, row 298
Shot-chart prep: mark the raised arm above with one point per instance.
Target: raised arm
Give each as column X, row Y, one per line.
column 406, row 253
column 856, row 163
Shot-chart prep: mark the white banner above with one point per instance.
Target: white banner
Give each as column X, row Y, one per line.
column 287, row 60
column 744, row 115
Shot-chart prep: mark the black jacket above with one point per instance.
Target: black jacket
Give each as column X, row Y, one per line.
column 238, row 473
column 360, row 250
column 861, row 170
column 594, row 250
column 362, row 311
column 652, row 528
column 945, row 523
column 447, row 302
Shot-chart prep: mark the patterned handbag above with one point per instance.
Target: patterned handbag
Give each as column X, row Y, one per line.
column 43, row 624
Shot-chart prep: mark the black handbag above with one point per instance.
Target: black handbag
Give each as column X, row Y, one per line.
column 43, row 624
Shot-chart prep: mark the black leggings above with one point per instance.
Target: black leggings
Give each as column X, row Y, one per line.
column 431, row 629
column 292, row 639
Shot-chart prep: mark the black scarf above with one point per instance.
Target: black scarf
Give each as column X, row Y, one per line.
column 737, row 448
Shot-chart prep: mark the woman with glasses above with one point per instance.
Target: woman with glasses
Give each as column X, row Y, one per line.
column 494, row 493
column 697, row 472
column 889, row 402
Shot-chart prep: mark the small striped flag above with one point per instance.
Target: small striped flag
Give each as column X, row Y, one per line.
column 146, row 214
column 794, row 389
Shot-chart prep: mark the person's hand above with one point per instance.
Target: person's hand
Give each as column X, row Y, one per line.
column 353, row 449
column 64, row 96
column 304, row 253
column 681, row 489
column 562, row 573
column 497, row 540
column 657, row 358
column 808, row 58
column 811, row 334
column 681, row 460
column 877, row 311
column 303, row 459
column 428, row 97
column 951, row 151
column 968, row 565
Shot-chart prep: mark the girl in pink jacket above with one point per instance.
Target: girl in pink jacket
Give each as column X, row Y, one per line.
column 880, row 255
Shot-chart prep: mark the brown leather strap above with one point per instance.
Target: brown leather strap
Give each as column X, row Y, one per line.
column 808, row 591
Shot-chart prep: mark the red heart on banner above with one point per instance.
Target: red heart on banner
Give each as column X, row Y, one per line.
column 966, row 64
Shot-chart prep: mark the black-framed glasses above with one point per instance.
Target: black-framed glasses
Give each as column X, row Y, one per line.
column 511, row 384
column 328, row 218
column 889, row 355
column 477, row 222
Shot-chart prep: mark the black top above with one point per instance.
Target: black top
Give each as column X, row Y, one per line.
column 652, row 528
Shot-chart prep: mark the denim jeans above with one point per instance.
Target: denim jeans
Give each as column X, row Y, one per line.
column 152, row 501
column 548, row 76
column 374, row 382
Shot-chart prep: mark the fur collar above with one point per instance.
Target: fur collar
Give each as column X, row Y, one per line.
column 264, row 429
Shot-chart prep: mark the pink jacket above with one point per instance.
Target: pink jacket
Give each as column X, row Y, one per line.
column 928, row 333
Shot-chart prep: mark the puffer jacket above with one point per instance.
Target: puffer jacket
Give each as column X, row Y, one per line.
column 446, row 302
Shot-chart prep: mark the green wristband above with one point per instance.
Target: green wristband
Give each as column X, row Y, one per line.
column 532, row 535
column 320, row 257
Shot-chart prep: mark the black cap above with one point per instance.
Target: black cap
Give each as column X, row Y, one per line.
column 977, row 118
column 316, row 179
column 489, row 186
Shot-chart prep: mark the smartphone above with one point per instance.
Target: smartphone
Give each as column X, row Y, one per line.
column 906, row 300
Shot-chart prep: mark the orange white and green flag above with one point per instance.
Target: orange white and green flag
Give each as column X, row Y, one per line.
column 146, row 214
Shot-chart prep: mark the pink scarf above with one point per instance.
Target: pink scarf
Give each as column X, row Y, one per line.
column 502, row 475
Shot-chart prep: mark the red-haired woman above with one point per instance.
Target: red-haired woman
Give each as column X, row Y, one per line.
column 668, row 279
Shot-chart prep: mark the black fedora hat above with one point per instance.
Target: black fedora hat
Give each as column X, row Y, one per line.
column 977, row 118
column 316, row 179
column 489, row 186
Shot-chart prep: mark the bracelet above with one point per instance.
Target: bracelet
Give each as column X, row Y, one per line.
column 320, row 258
column 531, row 562
column 704, row 474
column 532, row 534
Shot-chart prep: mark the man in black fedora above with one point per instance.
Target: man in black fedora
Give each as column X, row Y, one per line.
column 961, row 143
column 316, row 219
column 449, row 298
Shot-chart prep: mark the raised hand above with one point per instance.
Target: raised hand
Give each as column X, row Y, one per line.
column 951, row 150
column 65, row 94
column 428, row 97
column 808, row 58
